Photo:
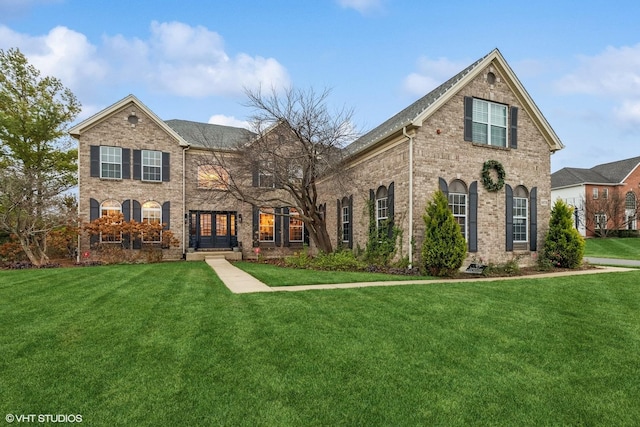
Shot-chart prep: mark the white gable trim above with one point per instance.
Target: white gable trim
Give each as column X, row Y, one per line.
column 81, row 127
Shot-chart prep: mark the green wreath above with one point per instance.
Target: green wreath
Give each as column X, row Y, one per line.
column 487, row 181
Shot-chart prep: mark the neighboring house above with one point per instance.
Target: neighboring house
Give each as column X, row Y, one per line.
column 604, row 197
column 481, row 117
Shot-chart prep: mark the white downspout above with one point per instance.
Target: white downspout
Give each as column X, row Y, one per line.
column 404, row 132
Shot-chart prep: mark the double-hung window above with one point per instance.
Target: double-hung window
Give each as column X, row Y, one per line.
column 345, row 223
column 110, row 162
column 489, row 123
column 267, row 225
column 296, row 226
column 520, row 217
column 151, row 165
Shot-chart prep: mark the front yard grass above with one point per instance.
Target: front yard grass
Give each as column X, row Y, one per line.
column 273, row 275
column 168, row 344
column 610, row 247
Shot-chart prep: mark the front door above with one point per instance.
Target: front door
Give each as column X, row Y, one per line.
column 211, row 229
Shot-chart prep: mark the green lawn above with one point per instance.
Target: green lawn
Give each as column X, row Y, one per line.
column 273, row 275
column 626, row 248
column 168, row 344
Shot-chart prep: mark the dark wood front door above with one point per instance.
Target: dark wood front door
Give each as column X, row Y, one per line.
column 212, row 229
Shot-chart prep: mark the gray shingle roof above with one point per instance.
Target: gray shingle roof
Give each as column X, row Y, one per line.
column 606, row 173
column 410, row 113
column 209, row 135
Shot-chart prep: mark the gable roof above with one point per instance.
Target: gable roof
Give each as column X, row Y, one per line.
column 208, row 135
column 78, row 129
column 416, row 113
column 612, row 173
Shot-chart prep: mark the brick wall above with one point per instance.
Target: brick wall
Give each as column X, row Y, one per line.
column 117, row 131
column 440, row 151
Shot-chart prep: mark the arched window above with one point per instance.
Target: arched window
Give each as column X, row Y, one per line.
column 520, row 214
column 382, row 206
column 458, row 204
column 630, row 201
column 631, row 206
column 111, row 232
column 152, row 214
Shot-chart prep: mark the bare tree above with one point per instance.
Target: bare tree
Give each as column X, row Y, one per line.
column 608, row 213
column 298, row 141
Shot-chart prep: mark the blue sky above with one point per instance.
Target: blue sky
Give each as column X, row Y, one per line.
column 579, row 61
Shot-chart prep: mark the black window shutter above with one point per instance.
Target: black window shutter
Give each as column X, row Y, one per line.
column 278, row 228
column 350, row 212
column 533, row 219
column 137, row 216
column 513, row 138
column 126, row 212
column 94, row 213
column 508, row 218
column 126, row 163
column 287, row 221
column 468, row 118
column 137, row 164
column 339, row 222
column 473, row 217
column 94, row 160
column 444, row 187
column 390, row 207
column 166, row 215
column 305, row 236
column 255, row 226
column 166, row 167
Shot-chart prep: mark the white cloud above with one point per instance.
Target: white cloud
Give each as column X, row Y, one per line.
column 613, row 75
column 191, row 61
column 614, row 72
column 431, row 73
column 63, row 53
column 176, row 58
column 628, row 113
column 221, row 119
column 362, row 6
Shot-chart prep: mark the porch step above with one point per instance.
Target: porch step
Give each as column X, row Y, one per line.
column 203, row 255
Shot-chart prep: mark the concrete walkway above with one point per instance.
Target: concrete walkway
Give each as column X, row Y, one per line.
column 240, row 282
column 613, row 261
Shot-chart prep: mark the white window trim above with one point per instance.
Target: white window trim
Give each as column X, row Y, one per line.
column 144, row 210
column 143, row 165
column 599, row 217
column 490, row 124
column 595, row 193
column 102, row 214
column 466, row 212
column 345, row 223
column 525, row 217
column 118, row 149
column 273, row 227
column 293, row 213
column 380, row 218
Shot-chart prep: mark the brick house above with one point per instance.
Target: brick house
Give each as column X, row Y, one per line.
column 604, row 197
column 442, row 141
